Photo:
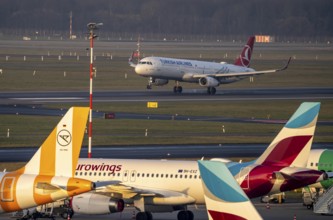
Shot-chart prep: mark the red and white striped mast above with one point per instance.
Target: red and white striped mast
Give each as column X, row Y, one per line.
column 92, row 36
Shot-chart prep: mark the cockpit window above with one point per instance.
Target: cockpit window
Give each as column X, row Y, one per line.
column 146, row 62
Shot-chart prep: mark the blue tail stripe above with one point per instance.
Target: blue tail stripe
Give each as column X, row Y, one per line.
column 220, row 182
column 304, row 115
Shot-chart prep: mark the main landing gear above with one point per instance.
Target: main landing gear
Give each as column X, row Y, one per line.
column 177, row 88
column 144, row 216
column 211, row 90
column 182, row 215
column 185, row 215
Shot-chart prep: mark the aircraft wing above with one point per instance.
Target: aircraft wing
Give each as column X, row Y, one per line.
column 101, row 184
column 253, row 73
column 164, row 197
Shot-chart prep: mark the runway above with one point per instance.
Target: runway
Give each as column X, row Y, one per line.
column 44, row 97
column 157, row 151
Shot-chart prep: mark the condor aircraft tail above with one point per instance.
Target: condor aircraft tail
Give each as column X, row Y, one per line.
column 244, row 58
column 291, row 147
column 223, row 196
column 48, row 176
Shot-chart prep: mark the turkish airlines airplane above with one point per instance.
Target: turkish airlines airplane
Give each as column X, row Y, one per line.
column 166, row 186
column 160, row 70
column 224, row 198
column 49, row 175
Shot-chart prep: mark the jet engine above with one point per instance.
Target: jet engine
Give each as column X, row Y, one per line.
column 159, row 82
column 208, row 82
column 90, row 203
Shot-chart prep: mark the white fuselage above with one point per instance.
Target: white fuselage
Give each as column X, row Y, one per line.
column 170, row 176
column 184, row 70
column 150, row 175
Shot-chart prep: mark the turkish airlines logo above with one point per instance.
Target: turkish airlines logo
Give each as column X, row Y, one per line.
column 246, row 56
column 64, row 138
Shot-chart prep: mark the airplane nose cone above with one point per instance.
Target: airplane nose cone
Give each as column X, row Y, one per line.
column 138, row 69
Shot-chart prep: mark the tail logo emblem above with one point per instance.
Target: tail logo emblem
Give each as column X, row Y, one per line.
column 247, row 55
column 64, row 138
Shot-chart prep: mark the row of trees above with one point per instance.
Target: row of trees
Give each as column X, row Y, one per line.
column 297, row 18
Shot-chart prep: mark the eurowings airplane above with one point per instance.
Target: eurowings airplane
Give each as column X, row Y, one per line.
column 49, row 175
column 166, row 186
column 160, row 70
column 224, row 198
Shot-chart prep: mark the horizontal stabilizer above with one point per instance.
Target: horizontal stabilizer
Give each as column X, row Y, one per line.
column 282, row 176
column 48, row 186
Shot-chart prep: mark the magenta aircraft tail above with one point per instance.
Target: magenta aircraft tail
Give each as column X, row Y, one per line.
column 292, row 145
column 245, row 57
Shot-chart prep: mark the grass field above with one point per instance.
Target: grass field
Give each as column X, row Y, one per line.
column 32, row 130
column 42, row 70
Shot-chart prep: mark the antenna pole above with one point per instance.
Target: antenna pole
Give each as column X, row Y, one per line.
column 91, row 27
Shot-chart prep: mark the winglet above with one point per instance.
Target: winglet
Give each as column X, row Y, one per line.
column 223, row 196
column 292, row 145
column 286, row 66
column 59, row 153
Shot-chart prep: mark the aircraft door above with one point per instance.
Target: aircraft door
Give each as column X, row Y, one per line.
column 125, row 175
column 7, row 189
column 133, row 176
column 243, row 178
